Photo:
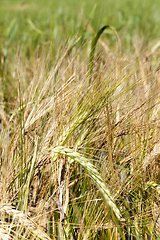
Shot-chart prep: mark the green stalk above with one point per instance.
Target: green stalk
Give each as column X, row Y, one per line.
column 154, row 227
column 93, row 48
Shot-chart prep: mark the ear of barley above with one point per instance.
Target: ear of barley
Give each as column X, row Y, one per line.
column 21, row 219
column 93, row 173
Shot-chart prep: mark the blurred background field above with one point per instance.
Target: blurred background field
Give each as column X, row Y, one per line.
column 28, row 23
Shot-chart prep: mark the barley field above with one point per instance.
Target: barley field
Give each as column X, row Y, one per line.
column 79, row 120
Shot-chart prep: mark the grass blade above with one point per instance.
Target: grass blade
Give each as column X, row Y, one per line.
column 93, row 48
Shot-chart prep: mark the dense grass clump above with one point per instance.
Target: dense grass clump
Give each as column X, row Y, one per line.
column 79, row 134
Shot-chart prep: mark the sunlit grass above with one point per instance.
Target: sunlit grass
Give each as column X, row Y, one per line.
column 79, row 139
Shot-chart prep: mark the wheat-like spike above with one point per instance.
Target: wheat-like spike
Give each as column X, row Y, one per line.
column 24, row 221
column 3, row 234
column 93, row 173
